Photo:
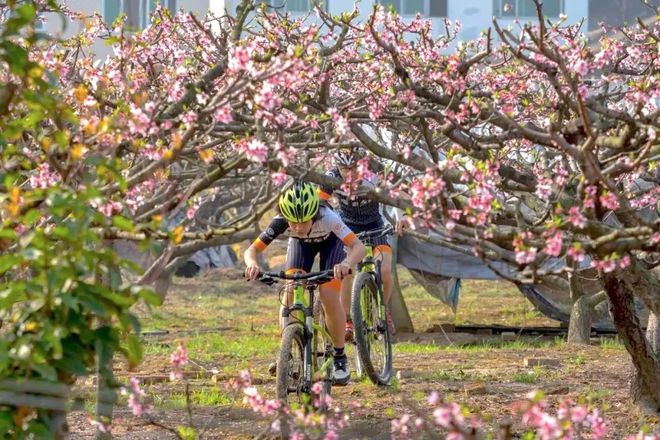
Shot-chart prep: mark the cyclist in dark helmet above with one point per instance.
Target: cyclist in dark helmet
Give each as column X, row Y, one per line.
column 361, row 214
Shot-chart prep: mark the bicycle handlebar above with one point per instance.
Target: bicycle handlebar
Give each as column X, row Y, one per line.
column 376, row 233
column 316, row 277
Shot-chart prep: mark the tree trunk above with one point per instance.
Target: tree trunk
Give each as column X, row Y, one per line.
column 644, row 285
column 579, row 326
column 653, row 333
column 645, row 387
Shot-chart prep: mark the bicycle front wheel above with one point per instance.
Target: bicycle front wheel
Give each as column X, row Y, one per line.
column 322, row 358
column 291, row 365
column 372, row 337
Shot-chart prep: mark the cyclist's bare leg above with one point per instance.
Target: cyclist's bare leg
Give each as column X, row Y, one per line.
column 384, row 254
column 334, row 311
column 346, row 288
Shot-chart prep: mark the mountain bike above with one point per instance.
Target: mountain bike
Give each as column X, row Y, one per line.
column 306, row 350
column 372, row 336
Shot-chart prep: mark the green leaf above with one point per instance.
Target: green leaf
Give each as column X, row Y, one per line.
column 134, row 351
column 46, row 371
column 31, row 217
column 7, row 233
column 123, row 223
column 7, row 262
column 129, row 322
column 26, row 11
column 187, row 432
column 122, row 301
column 150, row 297
column 11, row 297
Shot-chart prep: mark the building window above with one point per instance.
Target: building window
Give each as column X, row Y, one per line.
column 427, row 8
column 526, row 8
column 138, row 12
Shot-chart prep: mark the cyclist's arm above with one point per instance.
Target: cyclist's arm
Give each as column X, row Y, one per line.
column 356, row 249
column 276, row 227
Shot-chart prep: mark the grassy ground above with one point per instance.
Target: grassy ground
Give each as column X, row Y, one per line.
column 229, row 325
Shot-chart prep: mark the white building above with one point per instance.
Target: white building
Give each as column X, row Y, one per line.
column 475, row 15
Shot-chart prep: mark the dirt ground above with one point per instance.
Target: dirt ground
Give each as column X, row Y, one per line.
column 229, row 326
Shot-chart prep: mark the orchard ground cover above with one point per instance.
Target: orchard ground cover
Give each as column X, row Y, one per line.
column 229, row 326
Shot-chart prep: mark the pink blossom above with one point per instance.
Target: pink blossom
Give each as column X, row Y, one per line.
column 223, row 114
column 189, row 118
column 110, row 208
column 554, row 244
column 341, row 124
column 609, row 201
column 190, row 212
column 254, row 150
column 266, row 98
column 606, row 266
column 580, row 66
column 576, row 253
column 583, row 90
column 576, row 218
column 590, row 196
column 239, row 58
column 44, row 178
column 443, row 416
column 178, row 359
column 578, row 413
column 136, row 394
column 279, row 178
column 597, row 423
column 526, row 256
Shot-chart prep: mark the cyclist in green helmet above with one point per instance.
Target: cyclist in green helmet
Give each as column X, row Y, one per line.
column 314, row 230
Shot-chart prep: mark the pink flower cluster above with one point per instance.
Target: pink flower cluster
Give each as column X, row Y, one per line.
column 178, row 359
column 554, row 244
column 576, row 218
column 525, row 254
column 448, row 417
column 254, row 150
column 571, row 421
column 611, row 264
column 301, row 423
column 136, row 398
column 341, row 124
column 44, row 177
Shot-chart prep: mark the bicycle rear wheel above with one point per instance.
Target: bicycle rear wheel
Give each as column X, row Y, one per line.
column 372, row 337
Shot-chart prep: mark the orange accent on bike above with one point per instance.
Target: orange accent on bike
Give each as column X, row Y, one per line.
column 293, row 270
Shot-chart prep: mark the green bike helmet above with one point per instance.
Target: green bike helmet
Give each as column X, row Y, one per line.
column 299, row 203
